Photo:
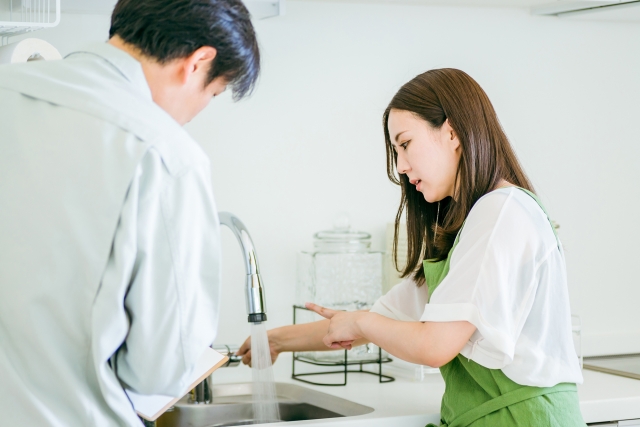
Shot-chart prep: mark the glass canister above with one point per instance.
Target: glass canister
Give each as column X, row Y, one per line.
column 342, row 273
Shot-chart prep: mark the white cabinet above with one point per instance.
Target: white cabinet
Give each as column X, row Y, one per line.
column 259, row 9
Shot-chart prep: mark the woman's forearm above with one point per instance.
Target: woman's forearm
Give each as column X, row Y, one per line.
column 300, row 337
column 425, row 343
column 303, row 337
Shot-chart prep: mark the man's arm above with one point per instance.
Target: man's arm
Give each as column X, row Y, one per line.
column 172, row 300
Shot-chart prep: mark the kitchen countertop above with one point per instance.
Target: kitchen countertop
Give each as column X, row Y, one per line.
column 409, row 403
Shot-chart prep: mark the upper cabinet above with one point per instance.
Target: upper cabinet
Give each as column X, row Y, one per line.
column 260, row 9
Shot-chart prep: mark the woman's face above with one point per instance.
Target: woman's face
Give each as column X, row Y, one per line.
column 429, row 157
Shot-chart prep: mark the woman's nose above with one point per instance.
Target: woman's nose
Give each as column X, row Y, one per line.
column 402, row 166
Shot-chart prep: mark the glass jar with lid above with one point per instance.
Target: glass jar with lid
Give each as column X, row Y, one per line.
column 343, row 273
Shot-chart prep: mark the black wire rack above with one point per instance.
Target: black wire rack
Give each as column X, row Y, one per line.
column 346, row 366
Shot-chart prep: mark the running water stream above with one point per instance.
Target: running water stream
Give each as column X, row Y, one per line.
column 265, row 400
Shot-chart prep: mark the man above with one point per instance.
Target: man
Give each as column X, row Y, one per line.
column 109, row 235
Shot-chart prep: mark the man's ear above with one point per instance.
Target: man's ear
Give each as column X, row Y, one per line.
column 198, row 62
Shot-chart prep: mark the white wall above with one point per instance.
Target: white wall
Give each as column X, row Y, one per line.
column 309, row 143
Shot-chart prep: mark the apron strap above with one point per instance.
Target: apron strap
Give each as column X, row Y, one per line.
column 507, row 399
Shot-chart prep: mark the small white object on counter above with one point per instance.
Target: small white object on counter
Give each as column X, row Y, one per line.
column 28, row 50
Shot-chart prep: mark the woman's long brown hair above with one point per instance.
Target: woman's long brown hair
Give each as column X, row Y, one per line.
column 487, row 158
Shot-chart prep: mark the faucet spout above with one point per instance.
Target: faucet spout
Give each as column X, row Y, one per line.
column 254, row 291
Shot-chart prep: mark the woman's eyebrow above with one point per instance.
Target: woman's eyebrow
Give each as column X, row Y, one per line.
column 398, row 135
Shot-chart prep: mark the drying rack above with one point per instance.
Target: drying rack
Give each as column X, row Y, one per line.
column 346, row 366
column 23, row 16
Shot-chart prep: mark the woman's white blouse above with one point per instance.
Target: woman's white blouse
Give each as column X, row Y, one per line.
column 507, row 277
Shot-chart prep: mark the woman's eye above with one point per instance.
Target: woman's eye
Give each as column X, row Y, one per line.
column 404, row 145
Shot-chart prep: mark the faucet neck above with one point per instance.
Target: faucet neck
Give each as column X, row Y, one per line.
column 254, row 292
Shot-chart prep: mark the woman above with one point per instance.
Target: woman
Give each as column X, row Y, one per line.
column 489, row 304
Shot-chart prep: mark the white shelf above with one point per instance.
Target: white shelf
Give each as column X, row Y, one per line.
column 23, row 16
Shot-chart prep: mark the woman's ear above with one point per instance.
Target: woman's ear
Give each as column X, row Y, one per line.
column 450, row 135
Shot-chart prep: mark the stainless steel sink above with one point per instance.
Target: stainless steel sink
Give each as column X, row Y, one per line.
column 232, row 407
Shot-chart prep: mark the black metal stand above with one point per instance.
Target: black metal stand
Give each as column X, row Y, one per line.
column 344, row 365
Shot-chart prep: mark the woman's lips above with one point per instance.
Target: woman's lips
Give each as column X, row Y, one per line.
column 416, row 182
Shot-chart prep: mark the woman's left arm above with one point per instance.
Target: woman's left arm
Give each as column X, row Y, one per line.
column 425, row 343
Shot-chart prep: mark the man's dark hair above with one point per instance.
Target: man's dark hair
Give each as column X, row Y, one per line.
column 170, row 29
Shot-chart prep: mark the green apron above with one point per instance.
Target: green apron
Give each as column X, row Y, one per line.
column 476, row 396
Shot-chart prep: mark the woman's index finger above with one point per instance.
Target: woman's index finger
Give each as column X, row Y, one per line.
column 322, row 311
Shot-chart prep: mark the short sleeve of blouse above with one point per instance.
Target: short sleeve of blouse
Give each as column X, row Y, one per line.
column 492, row 278
column 405, row 301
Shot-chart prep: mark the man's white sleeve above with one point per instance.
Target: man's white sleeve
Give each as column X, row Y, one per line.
column 173, row 297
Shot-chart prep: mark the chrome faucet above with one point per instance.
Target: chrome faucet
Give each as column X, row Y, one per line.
column 254, row 293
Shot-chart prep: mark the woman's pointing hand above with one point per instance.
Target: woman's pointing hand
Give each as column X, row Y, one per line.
column 344, row 326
